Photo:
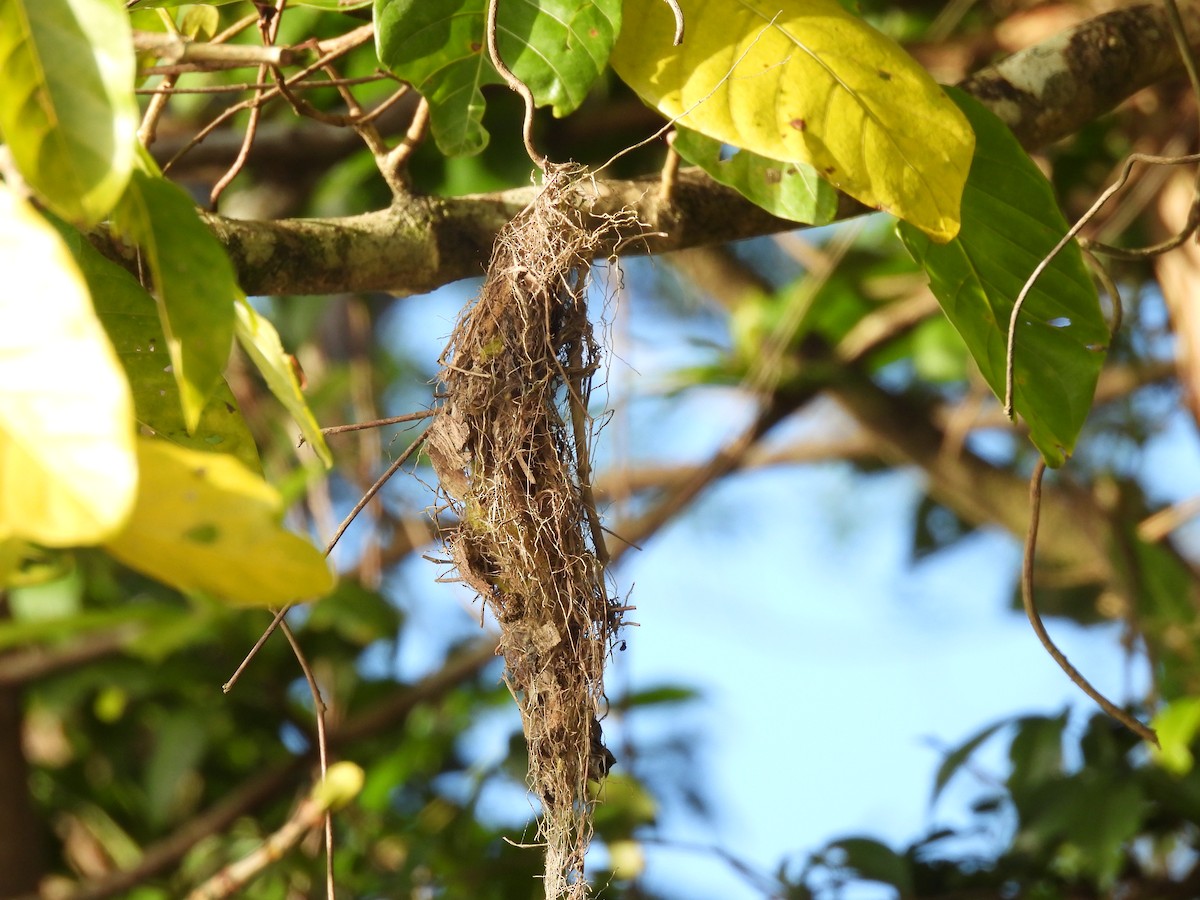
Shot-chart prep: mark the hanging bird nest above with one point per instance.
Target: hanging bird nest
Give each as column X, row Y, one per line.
column 510, row 447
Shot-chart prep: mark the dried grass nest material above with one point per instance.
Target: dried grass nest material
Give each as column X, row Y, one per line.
column 510, row 448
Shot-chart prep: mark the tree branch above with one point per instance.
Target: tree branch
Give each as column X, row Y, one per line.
column 1043, row 93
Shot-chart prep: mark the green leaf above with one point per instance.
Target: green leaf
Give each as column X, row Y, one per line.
column 558, row 48
column 656, row 696
column 790, row 190
column 1010, row 223
column 200, row 21
column 1177, row 725
column 171, row 4
column 1036, row 754
column 260, row 340
column 179, row 744
column 130, row 317
column 874, row 861
column 68, row 474
column 956, row 758
column 627, row 805
column 67, row 109
column 806, row 81
column 205, row 523
column 1086, row 820
column 194, row 285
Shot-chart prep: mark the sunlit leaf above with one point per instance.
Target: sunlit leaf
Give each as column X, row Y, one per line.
column 205, row 523
column 67, row 109
column 194, row 284
column 806, row 81
column 1010, row 223
column 558, row 48
column 67, row 469
column 335, row 5
column 130, row 317
column 200, row 21
column 1177, row 725
column 170, row 4
column 341, row 784
column 260, row 340
column 790, row 190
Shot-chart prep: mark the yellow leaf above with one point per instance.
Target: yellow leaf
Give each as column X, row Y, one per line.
column 205, row 523
column 68, row 473
column 806, row 81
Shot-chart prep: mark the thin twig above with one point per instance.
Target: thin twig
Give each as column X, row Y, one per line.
column 244, row 151
column 330, row 50
column 514, row 83
column 1157, row 526
column 670, row 171
column 319, row 710
column 249, row 86
column 237, row 875
column 148, row 130
column 374, row 489
column 674, row 4
column 379, row 423
column 237, row 673
column 1035, row 619
column 358, row 507
column 235, row 29
column 207, row 56
column 1010, row 349
column 398, row 157
column 1110, row 288
column 726, row 460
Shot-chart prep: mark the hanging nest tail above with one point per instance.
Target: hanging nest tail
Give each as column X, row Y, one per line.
column 510, row 448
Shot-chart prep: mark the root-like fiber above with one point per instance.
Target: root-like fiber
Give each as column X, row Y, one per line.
column 509, row 450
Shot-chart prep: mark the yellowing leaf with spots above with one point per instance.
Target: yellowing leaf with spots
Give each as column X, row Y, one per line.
column 205, row 523
column 806, row 81
column 68, row 473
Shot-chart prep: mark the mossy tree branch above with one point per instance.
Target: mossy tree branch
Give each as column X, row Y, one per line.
column 1044, row 93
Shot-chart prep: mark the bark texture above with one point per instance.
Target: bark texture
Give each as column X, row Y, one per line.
column 1044, row 93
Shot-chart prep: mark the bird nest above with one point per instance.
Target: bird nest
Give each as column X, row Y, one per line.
column 510, row 446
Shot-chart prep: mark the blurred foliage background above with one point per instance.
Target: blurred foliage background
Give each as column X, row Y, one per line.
column 134, row 776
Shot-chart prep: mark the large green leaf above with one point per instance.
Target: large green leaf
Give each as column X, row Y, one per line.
column 130, row 317
column 558, row 48
column 1010, row 223
column 205, row 523
column 68, row 473
column 67, row 109
column 806, row 81
column 790, row 190
column 194, row 284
